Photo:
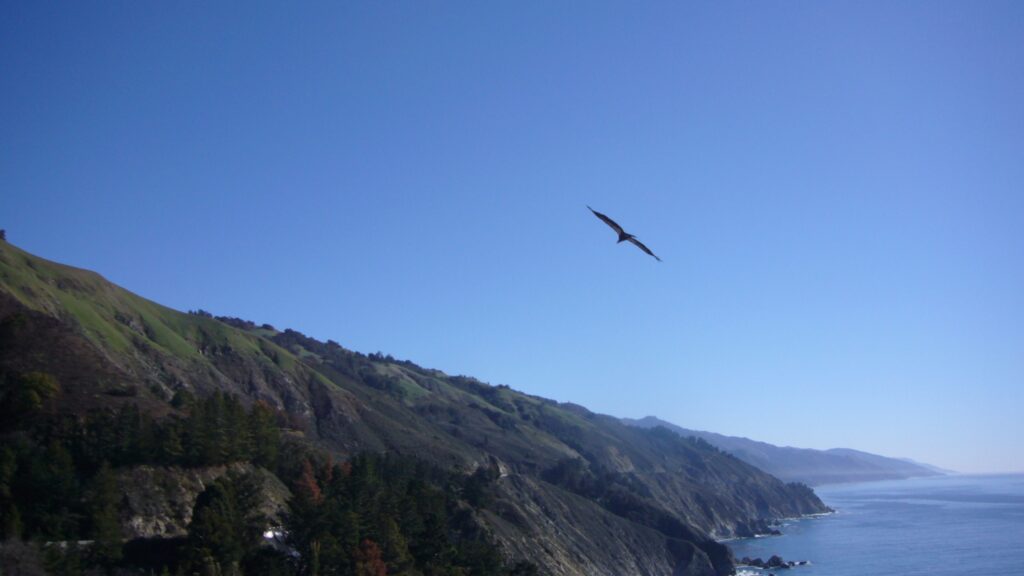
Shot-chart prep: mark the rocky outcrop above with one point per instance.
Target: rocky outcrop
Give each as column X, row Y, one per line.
column 774, row 563
column 21, row 558
column 571, row 536
column 157, row 501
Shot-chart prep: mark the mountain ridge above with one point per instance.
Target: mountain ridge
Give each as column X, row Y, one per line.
column 578, row 492
column 807, row 465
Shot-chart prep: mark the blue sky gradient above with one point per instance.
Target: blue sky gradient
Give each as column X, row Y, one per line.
column 836, row 190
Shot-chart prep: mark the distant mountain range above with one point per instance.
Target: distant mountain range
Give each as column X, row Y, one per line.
column 812, row 467
column 574, row 492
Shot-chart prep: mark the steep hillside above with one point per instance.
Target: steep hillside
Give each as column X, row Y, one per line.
column 576, row 492
column 813, row 467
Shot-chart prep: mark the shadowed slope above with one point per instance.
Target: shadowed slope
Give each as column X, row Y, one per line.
column 558, row 465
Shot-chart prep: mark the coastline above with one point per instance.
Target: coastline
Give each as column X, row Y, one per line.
column 779, row 522
column 939, row 526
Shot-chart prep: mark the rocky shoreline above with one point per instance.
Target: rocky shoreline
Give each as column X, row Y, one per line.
column 774, row 563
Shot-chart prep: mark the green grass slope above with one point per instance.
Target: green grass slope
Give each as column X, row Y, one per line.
column 119, row 347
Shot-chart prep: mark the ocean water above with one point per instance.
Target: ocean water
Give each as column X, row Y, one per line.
column 950, row 525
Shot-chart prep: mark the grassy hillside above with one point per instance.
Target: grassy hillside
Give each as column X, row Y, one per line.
column 121, row 348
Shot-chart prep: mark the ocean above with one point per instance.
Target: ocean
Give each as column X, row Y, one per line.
column 949, row 525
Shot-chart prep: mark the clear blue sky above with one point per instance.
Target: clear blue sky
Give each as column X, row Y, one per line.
column 836, row 190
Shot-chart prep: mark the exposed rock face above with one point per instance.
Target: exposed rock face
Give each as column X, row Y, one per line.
column 693, row 564
column 158, row 500
column 571, row 536
column 20, row 558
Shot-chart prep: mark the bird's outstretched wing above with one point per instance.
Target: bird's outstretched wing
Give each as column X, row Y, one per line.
column 618, row 229
column 641, row 246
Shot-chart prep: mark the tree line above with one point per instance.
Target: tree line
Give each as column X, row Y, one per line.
column 374, row 514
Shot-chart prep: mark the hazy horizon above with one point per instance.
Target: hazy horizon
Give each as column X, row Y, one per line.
column 834, row 189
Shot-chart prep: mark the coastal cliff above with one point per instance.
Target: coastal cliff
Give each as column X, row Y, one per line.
column 573, row 491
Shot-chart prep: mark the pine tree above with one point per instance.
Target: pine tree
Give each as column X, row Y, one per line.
column 106, row 529
column 10, row 517
column 23, row 396
column 12, row 527
column 55, row 494
column 170, row 449
column 127, row 432
column 266, row 438
column 226, row 524
column 395, row 548
column 238, row 434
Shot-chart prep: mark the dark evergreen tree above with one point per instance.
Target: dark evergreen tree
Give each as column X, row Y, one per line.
column 10, row 517
column 55, row 493
column 226, row 524
column 169, row 447
column 23, row 396
column 105, row 528
column 395, row 548
column 266, row 438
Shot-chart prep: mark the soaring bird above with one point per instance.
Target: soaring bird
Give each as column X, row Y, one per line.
column 623, row 235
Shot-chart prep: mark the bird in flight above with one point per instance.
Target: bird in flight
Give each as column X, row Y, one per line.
column 623, row 235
